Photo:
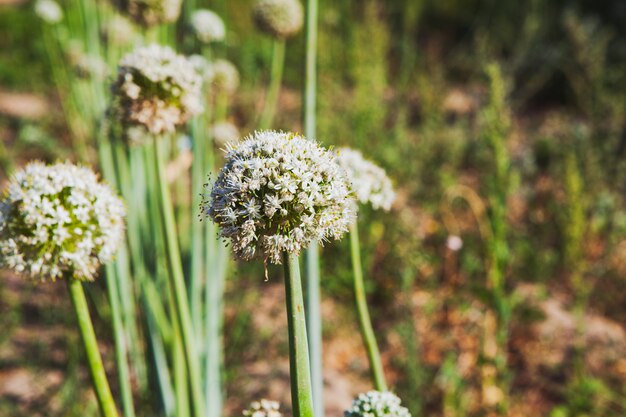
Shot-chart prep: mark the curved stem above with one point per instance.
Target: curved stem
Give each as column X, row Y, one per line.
column 300, row 373
column 177, row 279
column 96, row 368
column 365, row 323
column 278, row 62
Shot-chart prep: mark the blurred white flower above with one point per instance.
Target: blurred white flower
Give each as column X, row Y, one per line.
column 118, row 30
column 454, row 243
column 223, row 76
column 369, row 182
column 277, row 193
column 225, row 132
column 59, row 221
column 49, row 11
column 157, row 89
column 263, row 408
column 279, row 18
column 208, row 26
column 150, row 12
column 377, row 404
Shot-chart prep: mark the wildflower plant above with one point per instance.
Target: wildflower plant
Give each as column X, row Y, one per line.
column 59, row 221
column 278, row 18
column 377, row 404
column 207, row 26
column 277, row 193
column 156, row 89
column 371, row 185
column 263, row 408
column 223, row 76
column 150, row 12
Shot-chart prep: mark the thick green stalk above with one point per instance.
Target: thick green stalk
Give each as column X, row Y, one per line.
column 299, row 370
column 276, row 77
column 314, row 314
column 365, row 323
column 120, row 344
column 177, row 280
column 96, row 368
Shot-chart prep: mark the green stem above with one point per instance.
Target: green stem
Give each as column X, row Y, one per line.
column 120, row 343
column 96, row 368
column 314, row 323
column 365, row 322
column 300, row 374
column 278, row 63
column 177, row 279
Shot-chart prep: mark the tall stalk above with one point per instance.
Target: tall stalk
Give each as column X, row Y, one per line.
column 314, row 323
column 300, row 374
column 276, row 77
column 365, row 323
column 177, row 280
column 96, row 368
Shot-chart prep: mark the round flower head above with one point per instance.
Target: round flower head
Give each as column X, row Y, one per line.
column 49, row 11
column 118, row 30
column 369, row 181
column 263, row 408
column 223, row 76
column 207, row 26
column 277, row 193
column 377, row 404
column 279, row 18
column 225, row 132
column 157, row 89
column 150, row 12
column 58, row 221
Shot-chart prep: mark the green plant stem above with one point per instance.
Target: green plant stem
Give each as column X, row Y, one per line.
column 276, row 76
column 96, row 368
column 314, row 323
column 121, row 351
column 300, row 374
column 177, row 279
column 365, row 323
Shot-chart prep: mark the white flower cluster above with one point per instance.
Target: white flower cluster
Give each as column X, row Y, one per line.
column 223, row 76
column 157, row 89
column 263, row 408
column 377, row 404
column 279, row 18
column 225, row 132
column 150, row 12
column 118, row 30
column 277, row 193
column 49, row 11
column 58, row 221
column 207, row 26
column 369, row 182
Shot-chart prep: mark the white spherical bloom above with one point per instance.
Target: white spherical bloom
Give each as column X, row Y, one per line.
column 225, row 132
column 369, row 182
column 377, row 404
column 58, row 221
column 150, row 12
column 279, row 18
column 208, row 26
column 277, row 193
column 454, row 243
column 223, row 76
column 118, row 30
column 157, row 89
column 263, row 408
column 49, row 11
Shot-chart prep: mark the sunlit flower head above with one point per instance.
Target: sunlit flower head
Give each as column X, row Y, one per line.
column 279, row 18
column 59, row 221
column 277, row 193
column 377, row 404
column 370, row 183
column 150, row 12
column 225, row 132
column 49, row 11
column 207, row 26
column 263, row 408
column 223, row 76
column 118, row 30
column 157, row 89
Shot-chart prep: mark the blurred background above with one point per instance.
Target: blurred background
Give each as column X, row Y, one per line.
column 503, row 127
